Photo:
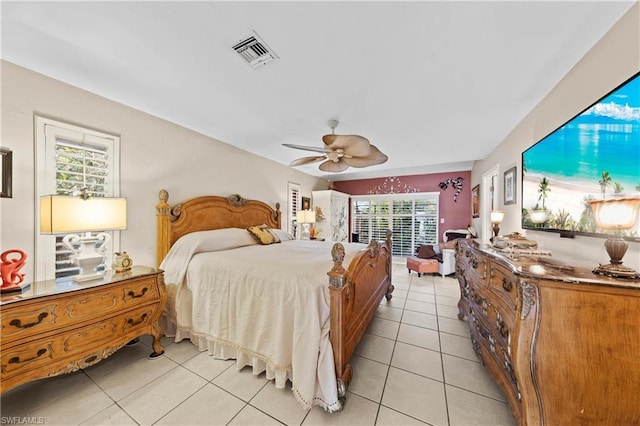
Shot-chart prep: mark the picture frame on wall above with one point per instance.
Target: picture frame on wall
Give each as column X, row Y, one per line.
column 475, row 201
column 6, row 165
column 510, row 186
column 306, row 203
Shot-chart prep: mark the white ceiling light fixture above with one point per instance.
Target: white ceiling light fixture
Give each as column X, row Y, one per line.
column 255, row 51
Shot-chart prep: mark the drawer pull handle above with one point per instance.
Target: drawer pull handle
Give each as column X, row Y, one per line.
column 18, row 323
column 133, row 295
column 506, row 284
column 16, row 359
column 133, row 323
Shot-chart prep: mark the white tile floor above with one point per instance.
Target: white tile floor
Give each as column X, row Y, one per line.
column 414, row 366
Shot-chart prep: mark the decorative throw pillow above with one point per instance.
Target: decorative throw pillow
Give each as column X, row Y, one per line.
column 261, row 234
column 426, row 252
column 455, row 235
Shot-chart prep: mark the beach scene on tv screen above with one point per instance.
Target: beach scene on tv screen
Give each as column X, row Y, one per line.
column 593, row 156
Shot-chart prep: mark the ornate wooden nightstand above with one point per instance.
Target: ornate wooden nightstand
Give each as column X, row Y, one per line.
column 58, row 326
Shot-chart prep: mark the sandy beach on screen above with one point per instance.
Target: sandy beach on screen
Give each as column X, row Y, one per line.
column 562, row 195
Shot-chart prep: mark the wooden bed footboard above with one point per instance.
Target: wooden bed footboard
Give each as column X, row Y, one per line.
column 356, row 293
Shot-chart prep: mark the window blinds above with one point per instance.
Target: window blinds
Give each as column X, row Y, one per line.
column 413, row 219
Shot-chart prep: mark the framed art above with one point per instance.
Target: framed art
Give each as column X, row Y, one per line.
column 475, row 201
column 306, row 203
column 510, row 186
column 6, row 157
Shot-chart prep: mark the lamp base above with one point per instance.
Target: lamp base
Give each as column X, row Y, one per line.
column 616, row 248
column 304, row 235
column 617, row 271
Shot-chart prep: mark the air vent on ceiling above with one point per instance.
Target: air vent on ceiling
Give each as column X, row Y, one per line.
column 255, row 51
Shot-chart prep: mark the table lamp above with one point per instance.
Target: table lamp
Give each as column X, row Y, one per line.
column 305, row 218
column 616, row 214
column 496, row 216
column 71, row 215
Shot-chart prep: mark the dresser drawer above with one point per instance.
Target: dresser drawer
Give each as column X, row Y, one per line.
column 476, row 266
column 504, row 284
column 496, row 355
column 498, row 318
column 46, row 350
column 20, row 321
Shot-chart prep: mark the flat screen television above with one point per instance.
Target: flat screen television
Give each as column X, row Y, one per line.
column 596, row 154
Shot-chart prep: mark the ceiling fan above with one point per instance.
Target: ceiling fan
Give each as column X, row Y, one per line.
column 341, row 152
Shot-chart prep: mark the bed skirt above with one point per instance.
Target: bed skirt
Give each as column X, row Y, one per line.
column 224, row 350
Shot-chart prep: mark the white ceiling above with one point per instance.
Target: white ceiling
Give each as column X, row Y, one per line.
column 434, row 85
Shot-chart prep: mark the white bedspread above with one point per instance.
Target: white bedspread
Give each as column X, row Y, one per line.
column 265, row 306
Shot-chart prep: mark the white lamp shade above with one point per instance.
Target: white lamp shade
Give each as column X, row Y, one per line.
column 497, row 216
column 61, row 214
column 616, row 213
column 306, row 216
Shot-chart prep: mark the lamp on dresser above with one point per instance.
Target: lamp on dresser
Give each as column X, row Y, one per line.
column 617, row 215
column 496, row 216
column 68, row 215
column 305, row 218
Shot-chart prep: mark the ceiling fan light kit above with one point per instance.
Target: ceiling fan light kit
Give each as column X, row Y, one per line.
column 341, row 152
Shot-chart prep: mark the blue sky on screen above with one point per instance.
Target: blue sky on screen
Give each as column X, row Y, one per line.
column 622, row 104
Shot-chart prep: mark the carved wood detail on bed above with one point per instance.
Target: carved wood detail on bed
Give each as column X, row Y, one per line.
column 355, row 291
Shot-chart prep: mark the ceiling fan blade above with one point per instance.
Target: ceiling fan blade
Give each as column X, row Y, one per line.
column 352, row 145
column 334, row 167
column 374, row 157
column 306, row 160
column 306, row 148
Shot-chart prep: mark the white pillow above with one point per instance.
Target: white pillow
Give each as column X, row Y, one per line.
column 176, row 261
column 282, row 234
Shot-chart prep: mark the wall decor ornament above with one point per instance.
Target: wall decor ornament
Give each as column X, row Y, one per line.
column 6, row 173
column 475, row 201
column 10, row 270
column 510, row 186
column 306, row 203
column 455, row 183
column 392, row 185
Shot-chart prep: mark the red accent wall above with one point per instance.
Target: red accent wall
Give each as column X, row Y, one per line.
column 456, row 214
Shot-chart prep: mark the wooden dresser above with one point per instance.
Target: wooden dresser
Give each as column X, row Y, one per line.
column 56, row 327
column 561, row 342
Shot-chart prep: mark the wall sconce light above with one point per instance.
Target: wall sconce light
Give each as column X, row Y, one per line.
column 70, row 215
column 496, row 216
column 305, row 218
column 616, row 214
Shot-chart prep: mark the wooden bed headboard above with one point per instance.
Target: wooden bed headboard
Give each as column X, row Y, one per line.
column 208, row 213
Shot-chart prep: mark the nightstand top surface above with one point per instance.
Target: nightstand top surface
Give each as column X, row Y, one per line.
column 66, row 284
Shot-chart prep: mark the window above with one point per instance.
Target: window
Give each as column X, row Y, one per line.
column 69, row 158
column 413, row 219
column 293, row 189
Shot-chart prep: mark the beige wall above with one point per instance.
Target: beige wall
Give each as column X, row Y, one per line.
column 615, row 58
column 155, row 154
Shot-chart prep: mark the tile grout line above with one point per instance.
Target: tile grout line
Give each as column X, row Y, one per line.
column 444, row 378
column 395, row 342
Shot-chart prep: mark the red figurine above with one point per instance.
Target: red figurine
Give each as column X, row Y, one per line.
column 10, row 270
